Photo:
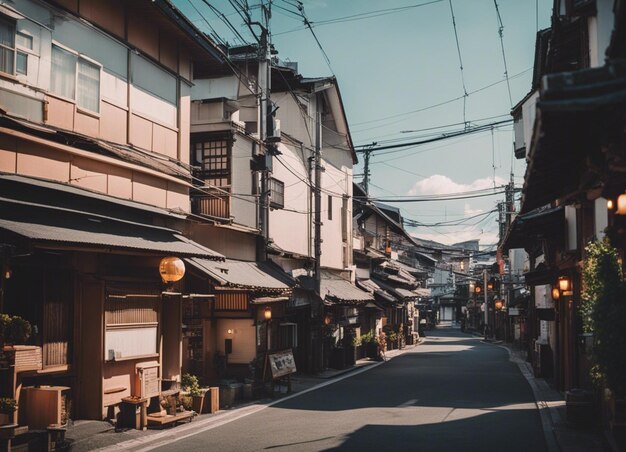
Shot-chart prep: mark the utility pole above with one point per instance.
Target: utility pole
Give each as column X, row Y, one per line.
column 264, row 84
column 366, row 166
column 317, row 310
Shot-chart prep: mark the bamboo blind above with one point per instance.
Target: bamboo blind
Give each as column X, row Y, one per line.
column 231, row 301
column 131, row 310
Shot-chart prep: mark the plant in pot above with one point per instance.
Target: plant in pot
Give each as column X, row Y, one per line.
column 7, row 408
column 190, row 385
column 5, row 320
column 17, row 331
column 603, row 312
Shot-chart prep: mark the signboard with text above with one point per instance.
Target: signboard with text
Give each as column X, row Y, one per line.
column 282, row 363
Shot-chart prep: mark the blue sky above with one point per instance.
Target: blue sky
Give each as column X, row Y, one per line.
column 407, row 60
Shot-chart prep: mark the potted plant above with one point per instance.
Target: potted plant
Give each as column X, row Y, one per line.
column 16, row 330
column 190, row 385
column 370, row 345
column 7, row 408
column 5, row 320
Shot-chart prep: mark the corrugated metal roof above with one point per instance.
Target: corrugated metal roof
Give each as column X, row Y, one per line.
column 372, row 287
column 261, row 276
column 336, row 289
column 83, row 230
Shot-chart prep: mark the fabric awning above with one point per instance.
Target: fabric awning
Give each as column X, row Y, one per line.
column 335, row 289
column 46, row 226
column 257, row 276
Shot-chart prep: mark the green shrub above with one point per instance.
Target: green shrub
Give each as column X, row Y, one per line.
column 7, row 405
column 603, row 313
column 190, row 384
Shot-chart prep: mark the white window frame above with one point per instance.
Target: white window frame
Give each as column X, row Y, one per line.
column 13, row 21
column 80, row 56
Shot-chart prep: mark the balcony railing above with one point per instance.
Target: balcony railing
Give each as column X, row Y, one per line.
column 212, row 203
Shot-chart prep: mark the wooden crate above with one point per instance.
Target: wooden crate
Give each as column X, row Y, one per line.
column 24, row 357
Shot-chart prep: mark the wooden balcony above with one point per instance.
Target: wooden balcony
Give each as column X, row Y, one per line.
column 211, row 203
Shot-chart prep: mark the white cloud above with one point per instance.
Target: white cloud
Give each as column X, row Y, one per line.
column 484, row 237
column 438, row 184
column 468, row 211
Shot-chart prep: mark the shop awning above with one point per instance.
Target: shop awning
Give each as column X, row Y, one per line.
column 422, row 292
column 372, row 287
column 54, row 227
column 400, row 293
column 334, row 289
column 532, row 226
column 257, row 276
column 576, row 110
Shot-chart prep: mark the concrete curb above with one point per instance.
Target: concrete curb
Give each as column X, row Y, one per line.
column 166, row 437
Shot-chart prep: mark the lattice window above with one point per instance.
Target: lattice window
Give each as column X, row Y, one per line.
column 213, row 156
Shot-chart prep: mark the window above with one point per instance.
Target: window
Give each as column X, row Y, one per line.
column 131, row 324
column 277, row 193
column 214, row 159
column 75, row 78
column 7, row 45
column 330, row 207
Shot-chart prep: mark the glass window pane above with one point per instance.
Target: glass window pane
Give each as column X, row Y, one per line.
column 23, row 40
column 63, row 79
column 88, row 89
column 21, row 63
column 7, row 32
column 6, row 60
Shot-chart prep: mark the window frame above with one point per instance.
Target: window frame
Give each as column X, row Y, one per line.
column 276, row 202
column 79, row 56
column 11, row 21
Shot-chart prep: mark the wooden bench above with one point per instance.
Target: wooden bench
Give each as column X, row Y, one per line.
column 169, row 419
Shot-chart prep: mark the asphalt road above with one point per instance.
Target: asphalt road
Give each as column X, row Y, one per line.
column 452, row 393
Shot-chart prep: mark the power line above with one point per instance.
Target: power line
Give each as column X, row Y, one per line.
column 438, row 104
column 458, row 48
column 355, row 17
column 501, row 34
column 446, row 136
column 431, row 199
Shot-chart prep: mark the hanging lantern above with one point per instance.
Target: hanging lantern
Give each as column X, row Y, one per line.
column 498, row 304
column 565, row 284
column 267, row 313
column 610, row 204
column 172, row 269
column 556, row 293
column 328, row 319
column 621, row 204
column 478, row 289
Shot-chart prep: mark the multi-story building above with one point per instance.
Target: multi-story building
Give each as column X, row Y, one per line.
column 94, row 154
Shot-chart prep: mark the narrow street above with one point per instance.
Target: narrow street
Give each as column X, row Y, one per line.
column 453, row 392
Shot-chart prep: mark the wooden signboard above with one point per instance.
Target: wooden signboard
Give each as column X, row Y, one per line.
column 148, row 379
column 282, row 363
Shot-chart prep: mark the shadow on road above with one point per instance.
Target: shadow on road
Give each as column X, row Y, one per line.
column 500, row 431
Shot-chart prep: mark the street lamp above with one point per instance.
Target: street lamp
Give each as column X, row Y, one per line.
column 267, row 313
